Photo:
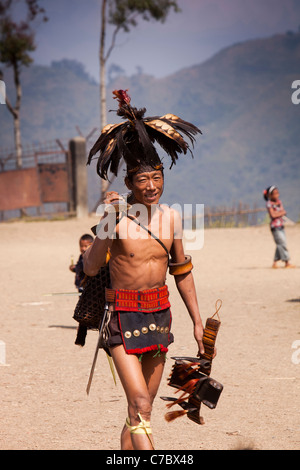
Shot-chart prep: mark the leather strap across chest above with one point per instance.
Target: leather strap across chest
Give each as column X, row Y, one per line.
column 176, row 269
column 94, row 230
column 149, row 231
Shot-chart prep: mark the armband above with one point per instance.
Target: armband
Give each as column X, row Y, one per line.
column 176, row 269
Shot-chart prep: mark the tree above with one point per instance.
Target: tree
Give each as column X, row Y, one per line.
column 123, row 15
column 16, row 42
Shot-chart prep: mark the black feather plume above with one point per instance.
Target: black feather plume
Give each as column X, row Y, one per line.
column 134, row 139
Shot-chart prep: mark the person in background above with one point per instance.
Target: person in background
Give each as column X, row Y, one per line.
column 84, row 242
column 277, row 212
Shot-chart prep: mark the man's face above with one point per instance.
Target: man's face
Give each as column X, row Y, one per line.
column 147, row 187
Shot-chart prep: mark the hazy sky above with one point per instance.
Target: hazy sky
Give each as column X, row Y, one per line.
column 187, row 38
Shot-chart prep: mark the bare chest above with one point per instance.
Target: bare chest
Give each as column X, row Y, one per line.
column 135, row 241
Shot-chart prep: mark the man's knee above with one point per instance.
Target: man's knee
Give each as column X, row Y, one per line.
column 142, row 405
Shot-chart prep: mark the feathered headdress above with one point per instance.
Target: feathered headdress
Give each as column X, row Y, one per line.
column 134, row 139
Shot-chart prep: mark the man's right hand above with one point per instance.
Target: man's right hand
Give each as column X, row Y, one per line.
column 112, row 196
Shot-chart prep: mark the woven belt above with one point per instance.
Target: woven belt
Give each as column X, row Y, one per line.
column 149, row 300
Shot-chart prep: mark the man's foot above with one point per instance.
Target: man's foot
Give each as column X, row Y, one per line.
column 274, row 265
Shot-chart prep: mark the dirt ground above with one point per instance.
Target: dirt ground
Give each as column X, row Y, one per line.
column 44, row 405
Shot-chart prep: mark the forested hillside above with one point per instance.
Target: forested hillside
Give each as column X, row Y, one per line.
column 240, row 99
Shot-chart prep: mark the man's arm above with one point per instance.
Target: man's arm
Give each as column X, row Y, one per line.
column 185, row 283
column 186, row 288
column 95, row 255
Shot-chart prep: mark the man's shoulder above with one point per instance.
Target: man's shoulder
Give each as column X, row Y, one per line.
column 174, row 217
column 170, row 210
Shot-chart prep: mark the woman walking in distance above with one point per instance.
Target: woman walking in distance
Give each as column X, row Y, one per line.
column 277, row 212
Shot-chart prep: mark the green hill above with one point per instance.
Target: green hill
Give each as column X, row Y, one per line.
column 240, row 98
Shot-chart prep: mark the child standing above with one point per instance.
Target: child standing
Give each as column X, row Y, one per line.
column 84, row 242
column 277, row 212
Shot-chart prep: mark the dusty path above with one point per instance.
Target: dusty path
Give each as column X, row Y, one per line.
column 43, row 404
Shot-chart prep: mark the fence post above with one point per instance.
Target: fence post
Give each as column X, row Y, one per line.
column 77, row 147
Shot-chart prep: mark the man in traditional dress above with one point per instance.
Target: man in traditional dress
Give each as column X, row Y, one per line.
column 142, row 245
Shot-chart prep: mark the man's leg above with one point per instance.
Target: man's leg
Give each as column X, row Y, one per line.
column 153, row 368
column 139, row 397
